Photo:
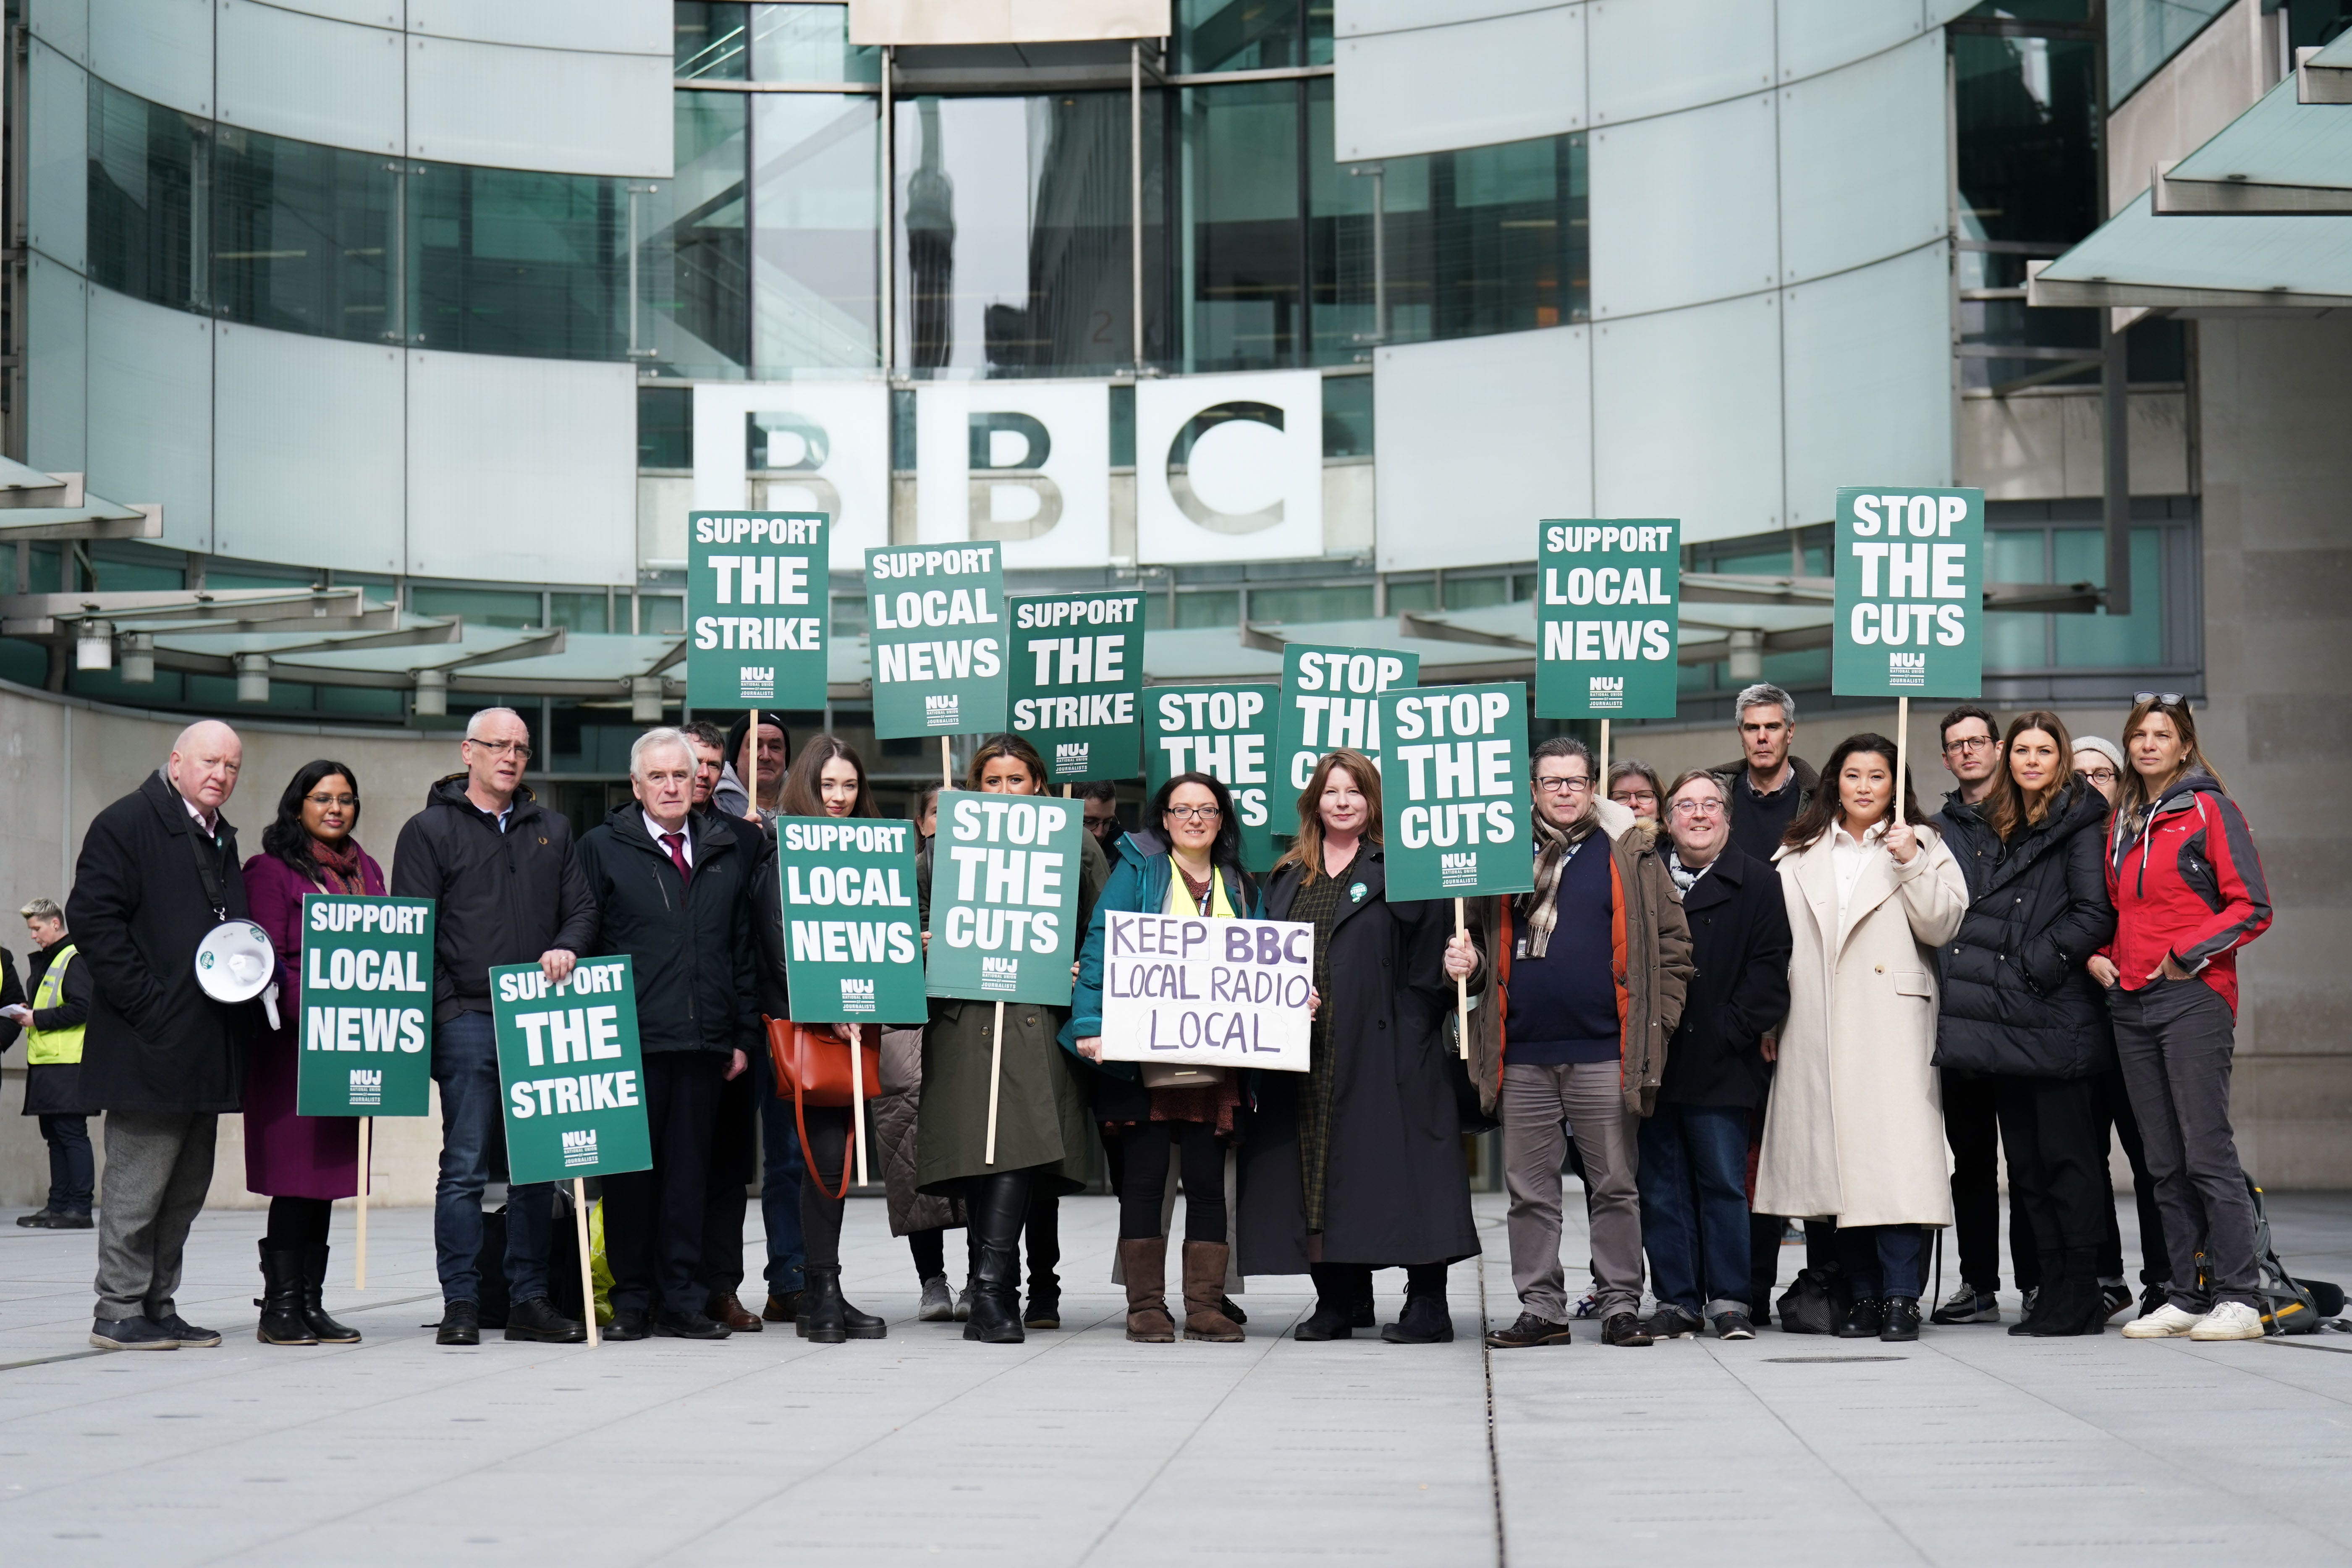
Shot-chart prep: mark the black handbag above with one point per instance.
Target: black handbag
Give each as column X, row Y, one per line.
column 1815, row 1303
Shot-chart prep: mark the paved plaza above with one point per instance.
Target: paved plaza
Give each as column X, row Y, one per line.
column 1076, row 1447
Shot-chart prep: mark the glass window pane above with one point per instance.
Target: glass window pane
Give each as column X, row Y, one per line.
column 2015, row 641
column 132, row 573
column 665, row 427
column 1351, row 602
column 815, row 205
column 1013, row 233
column 695, row 273
column 1241, row 35
column 1241, row 284
column 1214, row 608
column 808, row 43
column 578, row 612
column 2099, row 640
column 144, row 172
column 510, row 609
column 300, row 236
column 1347, row 416
column 1476, row 593
column 2144, row 34
column 506, row 261
column 661, row 614
column 707, row 40
column 1416, row 597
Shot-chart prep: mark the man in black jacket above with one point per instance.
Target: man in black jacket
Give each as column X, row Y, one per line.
column 1769, row 784
column 159, row 870
column 508, row 890
column 1694, row 1149
column 673, row 891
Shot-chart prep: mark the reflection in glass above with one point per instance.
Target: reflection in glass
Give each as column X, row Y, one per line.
column 808, row 43
column 144, row 197
column 1013, row 228
column 1240, row 295
column 301, row 236
column 2100, row 640
column 815, row 206
column 1242, row 35
column 707, row 40
column 692, row 263
column 509, row 262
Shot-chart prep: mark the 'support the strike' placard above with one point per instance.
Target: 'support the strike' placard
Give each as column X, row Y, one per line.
column 936, row 632
column 1910, row 592
column 756, row 603
column 366, row 1023
column 1184, row 990
column 854, row 953
column 1226, row 732
column 572, row 1080
column 1606, row 618
column 1454, row 793
column 1077, row 672
column 1004, row 897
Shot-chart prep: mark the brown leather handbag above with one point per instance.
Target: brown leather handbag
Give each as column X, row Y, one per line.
column 815, row 1065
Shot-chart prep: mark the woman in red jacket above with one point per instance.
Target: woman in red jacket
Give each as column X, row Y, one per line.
column 2188, row 892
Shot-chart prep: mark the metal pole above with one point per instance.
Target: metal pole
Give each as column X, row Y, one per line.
column 889, row 219
column 1380, row 255
column 1135, row 191
column 2114, row 432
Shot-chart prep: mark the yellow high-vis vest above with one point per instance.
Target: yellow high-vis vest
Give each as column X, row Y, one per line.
column 53, row 1047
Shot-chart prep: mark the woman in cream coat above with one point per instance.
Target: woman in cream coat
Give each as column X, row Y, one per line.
column 1855, row 1127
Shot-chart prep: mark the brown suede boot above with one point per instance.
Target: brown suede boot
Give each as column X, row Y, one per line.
column 1204, row 1293
column 1145, row 1261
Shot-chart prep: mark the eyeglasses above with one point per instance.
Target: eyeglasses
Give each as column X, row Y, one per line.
column 2099, row 775
column 323, row 801
column 1698, row 809
column 2162, row 699
column 1563, row 787
column 521, row 748
column 1629, row 797
column 1970, row 743
column 1194, row 813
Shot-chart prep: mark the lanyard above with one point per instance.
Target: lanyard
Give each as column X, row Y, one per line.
column 208, row 874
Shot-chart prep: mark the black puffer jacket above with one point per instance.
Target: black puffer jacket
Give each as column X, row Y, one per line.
column 2016, row 998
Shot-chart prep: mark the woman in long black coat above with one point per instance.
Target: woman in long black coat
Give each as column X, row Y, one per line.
column 1357, row 1165
column 2018, row 1007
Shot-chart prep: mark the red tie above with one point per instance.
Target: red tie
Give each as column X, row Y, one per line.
column 676, row 842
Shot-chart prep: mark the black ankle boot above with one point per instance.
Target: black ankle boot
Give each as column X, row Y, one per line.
column 2071, row 1301
column 999, row 1205
column 2037, row 1317
column 314, row 1312
column 281, row 1300
column 828, row 1318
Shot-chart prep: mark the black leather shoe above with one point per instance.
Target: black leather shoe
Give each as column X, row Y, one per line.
column 461, row 1324
column 785, row 1307
column 686, row 1326
column 1327, row 1321
column 1232, row 1309
column 1043, row 1311
column 1423, row 1321
column 1866, row 1317
column 130, row 1334
column 1623, row 1328
column 190, row 1336
column 1901, row 1322
column 995, row 1212
column 628, row 1327
column 1528, row 1332
column 80, row 1220
column 314, row 1310
column 827, row 1317
column 1361, row 1312
column 537, row 1320
column 281, row 1300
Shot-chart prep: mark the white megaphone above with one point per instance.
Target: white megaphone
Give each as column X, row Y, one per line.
column 235, row 962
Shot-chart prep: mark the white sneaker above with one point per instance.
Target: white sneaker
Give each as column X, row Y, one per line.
column 2230, row 1320
column 2165, row 1322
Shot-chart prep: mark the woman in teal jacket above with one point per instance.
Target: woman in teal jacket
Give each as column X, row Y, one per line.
column 1186, row 862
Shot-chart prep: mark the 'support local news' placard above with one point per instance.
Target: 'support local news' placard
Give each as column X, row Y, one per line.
column 572, row 1080
column 852, row 951
column 936, row 632
column 1077, row 672
column 366, row 991
column 1184, row 990
column 1004, row 897
column 1607, row 619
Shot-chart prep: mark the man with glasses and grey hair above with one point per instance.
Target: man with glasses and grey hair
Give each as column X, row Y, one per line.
column 507, row 890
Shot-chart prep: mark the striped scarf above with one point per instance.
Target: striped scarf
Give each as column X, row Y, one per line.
column 1555, row 846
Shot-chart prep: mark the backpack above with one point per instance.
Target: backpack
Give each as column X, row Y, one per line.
column 2288, row 1305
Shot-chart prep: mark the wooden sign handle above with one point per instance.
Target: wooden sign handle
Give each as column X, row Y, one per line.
column 947, row 766
column 1462, row 984
column 857, row 1094
column 1901, row 755
column 1600, row 785
column 359, row 1266
column 995, row 1081
column 579, row 1226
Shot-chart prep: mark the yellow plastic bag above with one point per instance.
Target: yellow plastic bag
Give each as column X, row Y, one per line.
column 599, row 1270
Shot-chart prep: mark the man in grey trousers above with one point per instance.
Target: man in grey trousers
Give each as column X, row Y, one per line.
column 159, row 870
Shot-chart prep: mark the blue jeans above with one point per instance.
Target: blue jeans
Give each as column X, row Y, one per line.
column 1694, row 1179
column 73, row 1170
column 1883, row 1260
column 779, row 1183
column 465, row 1065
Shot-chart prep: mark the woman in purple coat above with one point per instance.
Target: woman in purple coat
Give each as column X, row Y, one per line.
column 302, row 1163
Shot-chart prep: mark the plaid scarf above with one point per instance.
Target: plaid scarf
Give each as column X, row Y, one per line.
column 1555, row 846
column 1684, row 878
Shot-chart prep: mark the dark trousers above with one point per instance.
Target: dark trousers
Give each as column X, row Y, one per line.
column 653, row 1219
column 1144, row 1187
column 1695, row 1220
column 779, row 1183
column 734, row 1163
column 2057, row 1175
column 928, row 1249
column 2176, row 1040
column 828, row 1158
column 1882, row 1260
column 73, row 1170
column 465, row 1065
column 2116, row 1112
column 1970, row 1121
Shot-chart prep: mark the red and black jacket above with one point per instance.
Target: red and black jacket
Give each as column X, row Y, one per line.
column 2186, row 882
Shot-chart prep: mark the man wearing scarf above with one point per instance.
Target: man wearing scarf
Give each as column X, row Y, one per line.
column 1585, row 985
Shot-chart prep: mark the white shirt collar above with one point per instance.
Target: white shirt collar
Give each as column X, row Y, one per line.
column 654, row 830
column 209, row 821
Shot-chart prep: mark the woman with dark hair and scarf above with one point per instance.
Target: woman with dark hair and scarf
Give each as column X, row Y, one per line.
column 302, row 1163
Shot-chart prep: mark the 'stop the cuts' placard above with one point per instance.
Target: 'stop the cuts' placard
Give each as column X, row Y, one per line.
column 1330, row 701
column 1004, row 897
column 756, row 602
column 1910, row 592
column 1454, row 793
column 1077, row 674
column 1606, row 617
column 936, row 628
column 1226, row 732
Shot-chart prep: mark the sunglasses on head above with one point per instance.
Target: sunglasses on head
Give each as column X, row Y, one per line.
column 2162, row 699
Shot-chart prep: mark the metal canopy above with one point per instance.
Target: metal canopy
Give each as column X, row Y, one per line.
column 2325, row 76
column 2261, row 260
column 2280, row 156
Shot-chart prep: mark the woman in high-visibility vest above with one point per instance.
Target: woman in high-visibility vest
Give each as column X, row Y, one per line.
column 53, row 1025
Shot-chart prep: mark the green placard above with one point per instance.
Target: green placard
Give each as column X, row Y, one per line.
column 936, row 630
column 573, row 1082
column 1077, row 674
column 1453, row 796
column 1910, row 594
column 366, row 996
column 756, row 602
column 1227, row 733
column 1004, row 897
column 1330, row 701
column 1606, row 617
column 853, row 938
